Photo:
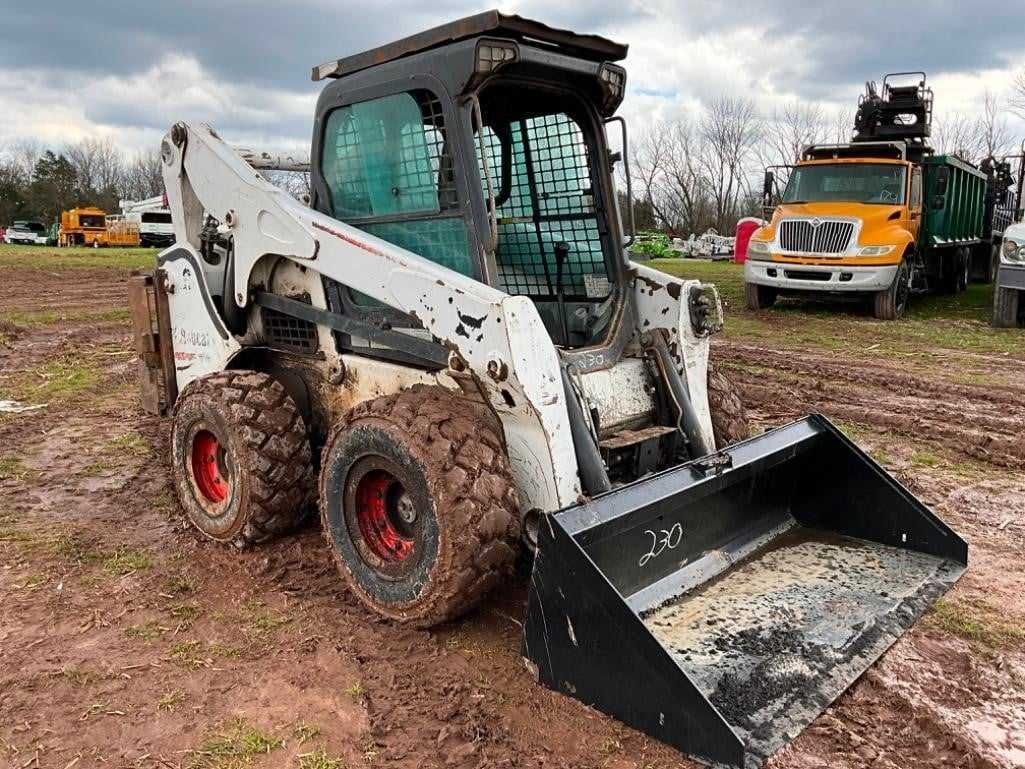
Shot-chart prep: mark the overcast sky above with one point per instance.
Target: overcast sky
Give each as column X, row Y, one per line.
column 69, row 70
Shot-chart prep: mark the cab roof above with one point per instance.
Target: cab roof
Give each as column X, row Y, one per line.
column 494, row 23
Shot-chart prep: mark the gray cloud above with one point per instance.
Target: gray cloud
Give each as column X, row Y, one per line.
column 250, row 61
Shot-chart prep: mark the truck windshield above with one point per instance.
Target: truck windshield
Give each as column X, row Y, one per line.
column 847, row 182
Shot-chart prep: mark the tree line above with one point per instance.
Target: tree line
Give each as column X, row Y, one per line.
column 38, row 183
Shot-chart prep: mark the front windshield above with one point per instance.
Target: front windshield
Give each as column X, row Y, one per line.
column 847, row 182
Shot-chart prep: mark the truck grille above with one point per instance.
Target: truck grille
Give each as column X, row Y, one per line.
column 829, row 237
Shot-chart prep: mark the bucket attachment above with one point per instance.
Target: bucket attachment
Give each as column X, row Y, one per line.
column 722, row 605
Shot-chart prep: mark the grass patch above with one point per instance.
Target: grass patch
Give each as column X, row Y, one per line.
column 57, row 380
column 303, row 732
column 977, row 621
column 48, row 257
column 126, row 561
column 13, row 469
column 179, row 585
column 236, row 745
column 923, row 458
column 192, row 655
column 184, row 612
column 37, row 318
column 170, row 701
column 355, row 691
column 260, row 620
column 318, row 759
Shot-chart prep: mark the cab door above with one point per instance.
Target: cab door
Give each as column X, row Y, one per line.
column 915, row 202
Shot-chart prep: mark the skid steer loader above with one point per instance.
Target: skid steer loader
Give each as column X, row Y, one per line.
column 449, row 351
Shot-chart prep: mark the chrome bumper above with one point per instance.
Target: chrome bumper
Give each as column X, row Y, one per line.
column 807, row 277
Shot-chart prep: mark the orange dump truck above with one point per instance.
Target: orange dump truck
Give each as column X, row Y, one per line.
column 91, row 226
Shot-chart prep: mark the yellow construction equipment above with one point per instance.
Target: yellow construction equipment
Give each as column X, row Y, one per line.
column 92, row 226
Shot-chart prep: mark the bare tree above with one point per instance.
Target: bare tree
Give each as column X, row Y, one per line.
column 143, row 177
column 1016, row 102
column 954, row 133
column 730, row 130
column 790, row 129
column 994, row 134
column 295, row 183
column 842, row 127
column 99, row 164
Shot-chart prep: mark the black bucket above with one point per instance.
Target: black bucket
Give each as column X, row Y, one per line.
column 722, row 605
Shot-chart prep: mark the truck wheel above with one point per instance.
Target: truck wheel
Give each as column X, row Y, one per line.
column 891, row 303
column 1005, row 307
column 956, row 281
column 729, row 418
column 240, row 456
column 759, row 297
column 418, row 504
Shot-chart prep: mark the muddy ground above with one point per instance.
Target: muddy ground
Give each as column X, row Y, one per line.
column 126, row 641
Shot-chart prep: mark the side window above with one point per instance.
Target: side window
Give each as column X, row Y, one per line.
column 387, row 166
column 916, row 189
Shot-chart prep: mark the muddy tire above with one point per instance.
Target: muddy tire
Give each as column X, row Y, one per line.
column 1006, row 304
column 891, row 303
column 240, row 457
column 418, row 504
column 759, row 297
column 729, row 418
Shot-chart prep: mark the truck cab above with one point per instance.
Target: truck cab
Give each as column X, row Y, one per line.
column 843, row 224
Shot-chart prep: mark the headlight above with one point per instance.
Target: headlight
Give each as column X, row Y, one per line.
column 757, row 247
column 875, row 250
column 1012, row 251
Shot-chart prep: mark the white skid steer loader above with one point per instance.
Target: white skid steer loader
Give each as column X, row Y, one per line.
column 449, row 351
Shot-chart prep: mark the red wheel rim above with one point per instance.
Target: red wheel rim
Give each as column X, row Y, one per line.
column 380, row 502
column 209, row 468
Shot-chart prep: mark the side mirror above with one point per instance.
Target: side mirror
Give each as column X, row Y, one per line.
column 942, row 180
column 767, row 186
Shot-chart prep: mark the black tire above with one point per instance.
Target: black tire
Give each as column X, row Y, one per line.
column 956, row 281
column 729, row 418
column 994, row 262
column 418, row 504
column 759, row 297
column 240, row 456
column 1006, row 303
column 891, row 303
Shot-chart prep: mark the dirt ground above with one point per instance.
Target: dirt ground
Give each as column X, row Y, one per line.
column 126, row 641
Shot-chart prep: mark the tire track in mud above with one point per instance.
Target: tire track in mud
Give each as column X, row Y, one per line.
column 984, row 422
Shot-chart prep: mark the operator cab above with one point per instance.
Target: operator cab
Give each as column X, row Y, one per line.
column 481, row 145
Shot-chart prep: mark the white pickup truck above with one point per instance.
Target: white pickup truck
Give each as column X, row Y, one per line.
column 26, row 233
